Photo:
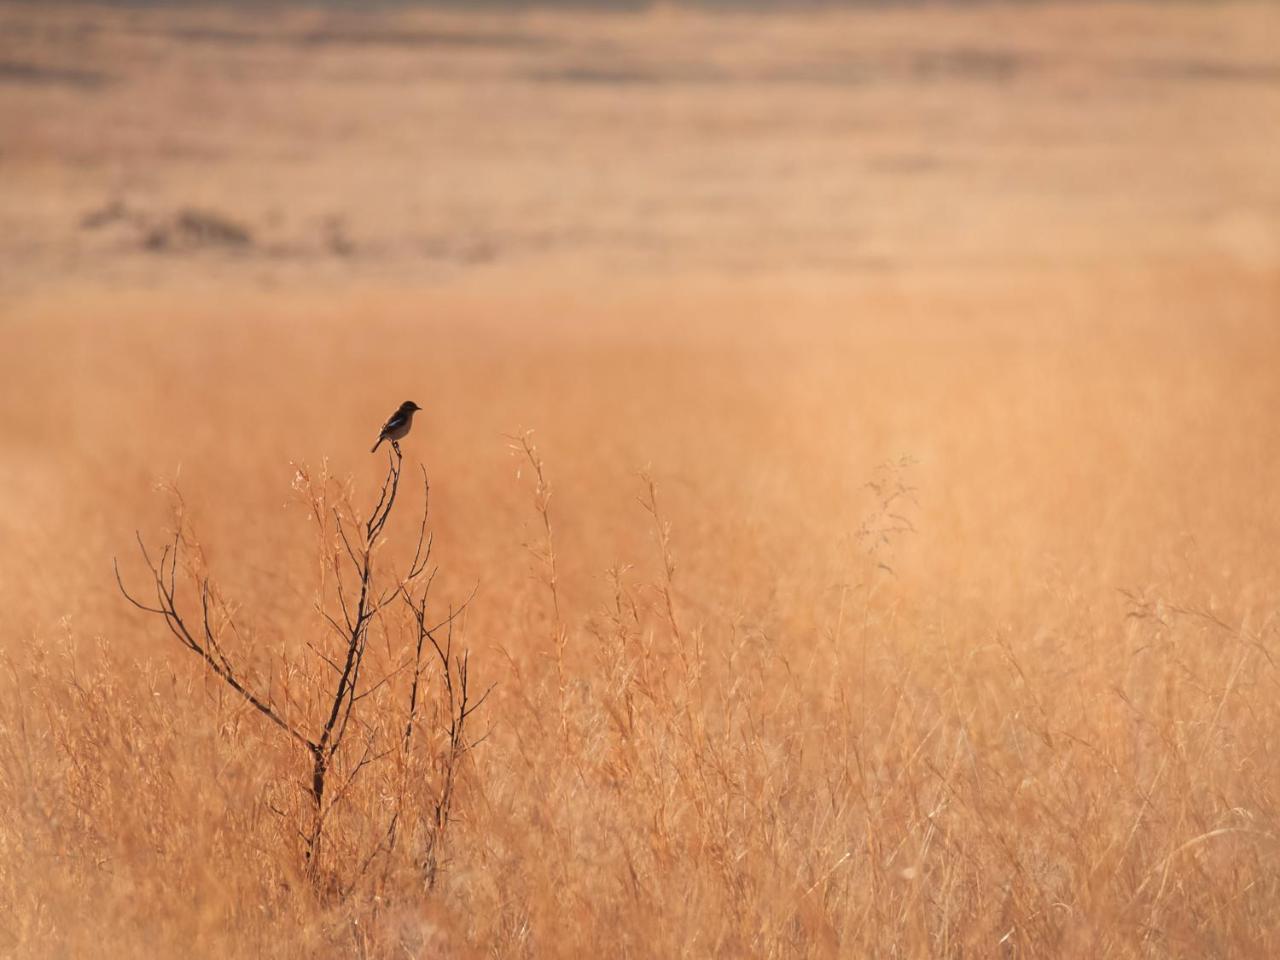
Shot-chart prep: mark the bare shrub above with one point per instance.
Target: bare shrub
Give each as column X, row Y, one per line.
column 347, row 705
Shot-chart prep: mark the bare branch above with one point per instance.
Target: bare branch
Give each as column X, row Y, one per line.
column 166, row 592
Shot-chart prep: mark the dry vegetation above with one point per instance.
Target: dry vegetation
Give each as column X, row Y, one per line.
column 892, row 570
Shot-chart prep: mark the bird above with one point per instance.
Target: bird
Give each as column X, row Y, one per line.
column 397, row 425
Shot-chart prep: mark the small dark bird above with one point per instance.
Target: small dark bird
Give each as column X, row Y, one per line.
column 397, row 426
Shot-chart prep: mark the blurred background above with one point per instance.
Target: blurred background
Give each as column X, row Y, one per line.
column 418, row 143
column 759, row 248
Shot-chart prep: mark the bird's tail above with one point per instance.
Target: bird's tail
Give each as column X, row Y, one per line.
column 375, row 447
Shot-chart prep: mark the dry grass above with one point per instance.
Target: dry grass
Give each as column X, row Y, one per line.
column 894, row 569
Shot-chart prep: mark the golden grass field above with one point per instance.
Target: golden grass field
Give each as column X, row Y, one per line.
column 904, row 578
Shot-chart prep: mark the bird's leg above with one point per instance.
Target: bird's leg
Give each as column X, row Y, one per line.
column 396, row 444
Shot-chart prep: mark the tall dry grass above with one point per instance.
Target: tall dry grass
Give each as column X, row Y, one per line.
column 893, row 644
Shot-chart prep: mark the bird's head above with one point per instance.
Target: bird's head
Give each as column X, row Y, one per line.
column 409, row 407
